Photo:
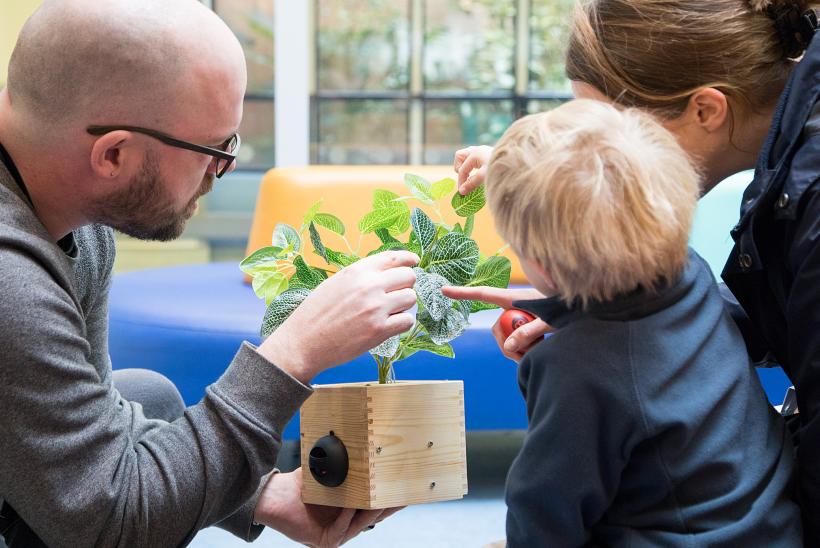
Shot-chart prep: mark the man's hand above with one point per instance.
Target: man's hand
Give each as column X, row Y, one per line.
column 353, row 311
column 280, row 507
column 522, row 339
column 471, row 165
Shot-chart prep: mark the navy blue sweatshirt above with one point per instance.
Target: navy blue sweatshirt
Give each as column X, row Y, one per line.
column 648, row 427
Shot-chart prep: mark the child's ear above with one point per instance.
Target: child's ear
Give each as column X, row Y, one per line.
column 543, row 279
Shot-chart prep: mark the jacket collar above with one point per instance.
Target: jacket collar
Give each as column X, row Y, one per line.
column 630, row 306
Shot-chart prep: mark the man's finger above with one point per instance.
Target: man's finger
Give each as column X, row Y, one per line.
column 341, row 526
column 397, row 278
column 401, row 300
column 362, row 522
column 393, row 259
column 525, row 336
column 492, row 295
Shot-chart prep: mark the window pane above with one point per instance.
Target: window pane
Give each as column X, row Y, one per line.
column 361, row 132
column 542, row 105
column 469, row 44
column 363, row 44
column 252, row 22
column 257, row 133
column 549, row 34
column 449, row 125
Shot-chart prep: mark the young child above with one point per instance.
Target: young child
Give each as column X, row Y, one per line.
column 647, row 422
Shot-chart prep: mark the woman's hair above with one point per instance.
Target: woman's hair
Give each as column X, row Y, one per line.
column 654, row 54
column 602, row 198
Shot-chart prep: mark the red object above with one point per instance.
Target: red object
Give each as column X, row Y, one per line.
column 512, row 319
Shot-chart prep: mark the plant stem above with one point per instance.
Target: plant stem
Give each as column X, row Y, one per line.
column 349, row 248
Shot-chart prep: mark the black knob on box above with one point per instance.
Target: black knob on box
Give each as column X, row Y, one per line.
column 328, row 461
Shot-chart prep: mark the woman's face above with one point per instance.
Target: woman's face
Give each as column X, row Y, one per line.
column 708, row 133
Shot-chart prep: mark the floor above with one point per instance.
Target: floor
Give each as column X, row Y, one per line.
column 475, row 521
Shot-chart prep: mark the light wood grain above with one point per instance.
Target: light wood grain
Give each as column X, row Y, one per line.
column 406, row 442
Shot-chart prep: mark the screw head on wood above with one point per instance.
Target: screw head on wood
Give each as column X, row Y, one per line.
column 378, row 449
column 432, row 485
column 429, row 444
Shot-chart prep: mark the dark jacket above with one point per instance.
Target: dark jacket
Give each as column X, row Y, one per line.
column 648, row 427
column 774, row 268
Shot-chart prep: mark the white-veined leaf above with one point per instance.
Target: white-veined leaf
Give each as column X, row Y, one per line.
column 316, row 240
column 464, row 206
column 425, row 343
column 380, row 218
column 384, row 199
column 285, row 236
column 311, row 214
column 428, row 289
column 455, row 257
column 493, row 271
column 265, row 258
column 420, row 187
column 448, row 328
column 307, row 277
column 424, row 228
column 280, row 308
column 388, row 348
column 442, row 188
column 268, row 285
column 330, row 222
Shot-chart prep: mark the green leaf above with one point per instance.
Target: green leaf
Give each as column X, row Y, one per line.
column 268, row 285
column 316, row 240
column 330, row 222
column 458, row 229
column 468, row 226
column 380, row 218
column 388, row 247
column 478, row 306
column 493, row 272
column 311, row 214
column 442, row 188
column 402, row 224
column 464, row 307
column 384, row 236
column 340, row 259
column 388, row 348
column 420, row 187
column 384, row 199
column 306, row 276
column 428, row 290
column 425, row 343
column 464, row 206
column 448, row 328
column 423, row 228
column 455, row 257
column 261, row 259
column 280, row 308
column 285, row 236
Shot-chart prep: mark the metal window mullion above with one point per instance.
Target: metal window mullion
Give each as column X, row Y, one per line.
column 522, row 47
column 416, row 101
column 292, row 82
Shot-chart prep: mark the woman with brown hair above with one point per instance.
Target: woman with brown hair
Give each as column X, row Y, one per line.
column 738, row 83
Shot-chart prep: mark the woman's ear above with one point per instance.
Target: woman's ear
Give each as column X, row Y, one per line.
column 113, row 153
column 708, row 108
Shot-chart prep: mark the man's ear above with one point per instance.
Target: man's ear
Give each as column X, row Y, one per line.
column 113, row 153
column 708, row 108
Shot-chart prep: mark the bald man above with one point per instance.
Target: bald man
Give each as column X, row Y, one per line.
column 120, row 114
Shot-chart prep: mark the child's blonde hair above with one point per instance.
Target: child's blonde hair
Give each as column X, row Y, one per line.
column 602, row 198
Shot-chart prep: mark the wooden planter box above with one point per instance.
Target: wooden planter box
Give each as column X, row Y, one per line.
column 404, row 441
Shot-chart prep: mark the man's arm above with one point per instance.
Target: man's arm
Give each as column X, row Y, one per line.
column 83, row 467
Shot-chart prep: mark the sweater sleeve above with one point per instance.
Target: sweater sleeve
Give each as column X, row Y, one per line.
column 580, row 430
column 803, row 326
column 755, row 342
column 83, row 467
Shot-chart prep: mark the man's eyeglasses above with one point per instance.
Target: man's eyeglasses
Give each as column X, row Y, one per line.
column 225, row 155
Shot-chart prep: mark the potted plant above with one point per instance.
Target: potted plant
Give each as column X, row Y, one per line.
column 385, row 443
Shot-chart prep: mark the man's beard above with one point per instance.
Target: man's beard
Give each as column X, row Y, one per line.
column 145, row 209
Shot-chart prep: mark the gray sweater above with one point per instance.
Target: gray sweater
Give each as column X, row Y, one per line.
column 79, row 464
column 648, row 427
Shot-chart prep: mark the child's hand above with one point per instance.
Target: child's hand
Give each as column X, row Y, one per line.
column 468, row 160
column 522, row 339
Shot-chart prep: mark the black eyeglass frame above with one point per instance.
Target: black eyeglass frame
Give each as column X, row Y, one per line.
column 228, row 157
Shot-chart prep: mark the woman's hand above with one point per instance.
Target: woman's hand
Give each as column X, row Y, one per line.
column 471, row 165
column 522, row 339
